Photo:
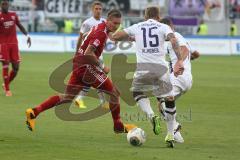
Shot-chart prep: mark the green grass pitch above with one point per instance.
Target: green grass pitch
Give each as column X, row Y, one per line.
column 210, row 115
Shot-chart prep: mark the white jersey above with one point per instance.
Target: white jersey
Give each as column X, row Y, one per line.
column 182, row 83
column 89, row 23
column 152, row 68
column 191, row 48
column 150, row 37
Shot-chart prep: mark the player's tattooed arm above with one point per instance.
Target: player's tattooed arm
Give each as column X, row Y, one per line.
column 178, row 67
column 184, row 51
column 171, row 37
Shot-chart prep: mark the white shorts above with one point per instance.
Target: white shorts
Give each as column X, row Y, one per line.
column 155, row 79
column 181, row 84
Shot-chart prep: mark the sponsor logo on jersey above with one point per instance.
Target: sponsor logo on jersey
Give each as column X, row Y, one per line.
column 8, row 24
column 13, row 18
column 96, row 43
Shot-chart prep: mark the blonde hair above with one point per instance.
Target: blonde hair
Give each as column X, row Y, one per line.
column 114, row 13
column 152, row 12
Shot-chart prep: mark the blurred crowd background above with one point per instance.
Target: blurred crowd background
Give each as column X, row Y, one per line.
column 191, row 17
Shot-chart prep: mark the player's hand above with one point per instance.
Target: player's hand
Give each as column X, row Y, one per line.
column 178, row 68
column 29, row 42
column 110, row 36
column 106, row 70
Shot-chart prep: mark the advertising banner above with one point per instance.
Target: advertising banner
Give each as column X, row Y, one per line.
column 186, row 7
column 42, row 43
column 235, row 45
column 211, row 46
column 62, row 8
column 214, row 10
column 67, row 43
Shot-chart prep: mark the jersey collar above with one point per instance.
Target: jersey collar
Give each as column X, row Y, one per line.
column 152, row 20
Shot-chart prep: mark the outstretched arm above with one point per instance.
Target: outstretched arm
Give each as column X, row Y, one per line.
column 119, row 36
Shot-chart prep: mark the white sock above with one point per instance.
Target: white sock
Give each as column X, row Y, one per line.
column 83, row 93
column 101, row 96
column 144, row 104
column 162, row 103
column 170, row 119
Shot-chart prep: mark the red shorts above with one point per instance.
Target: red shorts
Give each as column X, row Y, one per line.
column 9, row 53
column 88, row 77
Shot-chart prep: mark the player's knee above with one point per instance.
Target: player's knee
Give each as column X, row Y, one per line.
column 170, row 98
column 138, row 95
column 5, row 64
column 169, row 104
column 15, row 68
column 116, row 92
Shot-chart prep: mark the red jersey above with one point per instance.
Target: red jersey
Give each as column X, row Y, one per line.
column 97, row 38
column 8, row 23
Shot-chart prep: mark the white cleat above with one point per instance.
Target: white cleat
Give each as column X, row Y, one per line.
column 177, row 134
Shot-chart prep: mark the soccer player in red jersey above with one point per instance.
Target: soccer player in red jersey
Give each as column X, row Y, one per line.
column 88, row 72
column 9, row 52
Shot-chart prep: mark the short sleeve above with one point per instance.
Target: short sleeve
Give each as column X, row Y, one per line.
column 98, row 39
column 84, row 28
column 191, row 48
column 181, row 40
column 131, row 31
column 166, row 30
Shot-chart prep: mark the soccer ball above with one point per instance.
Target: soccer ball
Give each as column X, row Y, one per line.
column 136, row 137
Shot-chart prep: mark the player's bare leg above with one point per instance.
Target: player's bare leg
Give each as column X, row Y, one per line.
column 5, row 74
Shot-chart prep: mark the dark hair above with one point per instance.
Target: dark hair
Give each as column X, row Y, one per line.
column 166, row 21
column 114, row 13
column 152, row 12
column 96, row 3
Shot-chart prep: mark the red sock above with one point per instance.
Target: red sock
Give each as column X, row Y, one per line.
column 115, row 111
column 47, row 104
column 5, row 76
column 12, row 75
